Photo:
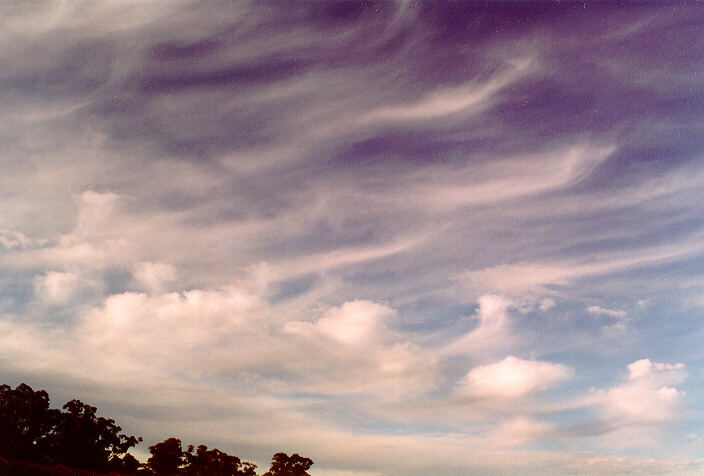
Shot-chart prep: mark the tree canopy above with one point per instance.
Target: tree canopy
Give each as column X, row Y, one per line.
column 285, row 465
column 205, row 462
column 31, row 432
column 25, row 422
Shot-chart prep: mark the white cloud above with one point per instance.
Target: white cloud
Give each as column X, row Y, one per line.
column 197, row 333
column 469, row 99
column 646, row 370
column 546, row 304
column 642, row 404
column 355, row 322
column 598, row 310
column 350, row 349
column 647, row 397
column 516, row 177
column 517, row 279
column 417, row 188
column 511, row 378
column 361, row 352
column 493, row 331
column 525, row 280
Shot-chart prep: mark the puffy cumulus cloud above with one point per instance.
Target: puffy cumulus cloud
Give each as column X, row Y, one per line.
column 236, row 334
column 361, row 349
column 648, row 396
column 196, row 332
column 642, row 404
column 512, row 377
column 353, row 323
column 645, row 369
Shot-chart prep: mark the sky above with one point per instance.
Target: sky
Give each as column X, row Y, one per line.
column 398, row 238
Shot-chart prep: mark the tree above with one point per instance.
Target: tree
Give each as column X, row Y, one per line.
column 128, row 465
column 284, row 465
column 82, row 439
column 205, row 462
column 167, row 457
column 31, row 431
column 25, row 422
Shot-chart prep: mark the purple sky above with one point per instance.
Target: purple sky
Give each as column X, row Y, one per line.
column 399, row 238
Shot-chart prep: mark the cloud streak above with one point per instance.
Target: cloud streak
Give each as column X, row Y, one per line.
column 396, row 233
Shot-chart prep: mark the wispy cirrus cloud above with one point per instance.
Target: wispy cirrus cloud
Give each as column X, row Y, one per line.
column 394, row 233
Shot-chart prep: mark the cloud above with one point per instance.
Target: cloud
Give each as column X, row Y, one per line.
column 468, row 99
column 512, row 378
column 602, row 311
column 363, row 352
column 528, row 280
column 58, row 288
column 139, row 331
column 647, row 397
column 353, row 323
column 528, row 176
column 493, row 331
column 546, row 304
column 309, row 224
column 645, row 369
column 94, row 211
column 13, row 239
column 519, row 431
column 154, row 275
column 233, row 333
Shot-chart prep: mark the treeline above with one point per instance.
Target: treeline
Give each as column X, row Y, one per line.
column 33, row 435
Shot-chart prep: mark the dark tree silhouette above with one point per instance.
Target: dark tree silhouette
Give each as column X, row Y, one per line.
column 167, row 457
column 31, row 431
column 35, row 439
column 284, row 465
column 25, row 422
column 84, row 440
column 129, row 465
column 205, row 462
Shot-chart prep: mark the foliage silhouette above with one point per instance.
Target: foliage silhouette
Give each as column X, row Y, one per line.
column 82, row 439
column 42, row 440
column 284, row 465
column 25, row 422
column 205, row 462
column 167, row 457
column 31, row 431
